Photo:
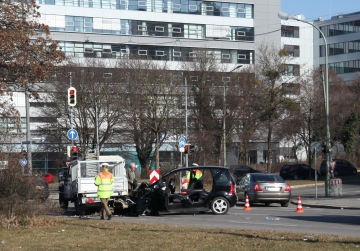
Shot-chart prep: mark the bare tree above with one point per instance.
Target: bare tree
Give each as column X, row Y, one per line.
column 272, row 65
column 151, row 105
column 99, row 95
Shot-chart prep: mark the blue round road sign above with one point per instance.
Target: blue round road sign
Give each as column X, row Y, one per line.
column 182, row 142
column 23, row 162
column 72, row 134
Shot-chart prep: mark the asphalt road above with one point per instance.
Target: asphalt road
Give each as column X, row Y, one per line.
column 312, row 221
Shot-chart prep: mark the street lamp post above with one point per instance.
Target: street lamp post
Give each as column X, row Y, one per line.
column 224, row 117
column 286, row 16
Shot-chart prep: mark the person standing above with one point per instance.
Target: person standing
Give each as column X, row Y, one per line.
column 133, row 175
column 104, row 181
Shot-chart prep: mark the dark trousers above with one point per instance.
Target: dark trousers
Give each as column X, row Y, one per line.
column 105, row 208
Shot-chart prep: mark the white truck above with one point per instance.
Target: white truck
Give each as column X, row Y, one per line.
column 78, row 184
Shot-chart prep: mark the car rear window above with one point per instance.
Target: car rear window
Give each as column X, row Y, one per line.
column 267, row 178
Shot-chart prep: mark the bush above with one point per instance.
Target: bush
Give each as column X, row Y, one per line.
column 20, row 197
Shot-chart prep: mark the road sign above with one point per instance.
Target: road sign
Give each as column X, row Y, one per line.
column 315, row 147
column 72, row 134
column 181, row 149
column 23, row 162
column 154, row 176
column 182, row 142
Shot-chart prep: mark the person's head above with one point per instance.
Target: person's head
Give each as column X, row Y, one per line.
column 132, row 166
column 104, row 167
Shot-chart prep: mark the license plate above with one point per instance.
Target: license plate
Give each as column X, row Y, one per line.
column 272, row 189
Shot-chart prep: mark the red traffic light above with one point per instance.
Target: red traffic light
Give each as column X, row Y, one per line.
column 186, row 149
column 74, row 149
column 72, row 91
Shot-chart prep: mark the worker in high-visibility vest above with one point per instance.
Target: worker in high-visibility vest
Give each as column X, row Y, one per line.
column 191, row 177
column 104, row 181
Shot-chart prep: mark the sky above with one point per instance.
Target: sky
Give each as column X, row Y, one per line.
column 313, row 9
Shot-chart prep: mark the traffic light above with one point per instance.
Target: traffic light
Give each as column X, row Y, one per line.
column 186, row 149
column 192, row 148
column 72, row 96
column 74, row 153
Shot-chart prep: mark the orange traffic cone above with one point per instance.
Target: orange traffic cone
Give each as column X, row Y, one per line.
column 247, row 205
column 299, row 207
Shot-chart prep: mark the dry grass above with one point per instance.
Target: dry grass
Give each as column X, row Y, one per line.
column 84, row 234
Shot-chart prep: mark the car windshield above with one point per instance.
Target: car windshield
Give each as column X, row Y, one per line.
column 267, row 178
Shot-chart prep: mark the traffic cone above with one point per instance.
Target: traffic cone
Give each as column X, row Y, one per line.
column 299, row 207
column 247, row 205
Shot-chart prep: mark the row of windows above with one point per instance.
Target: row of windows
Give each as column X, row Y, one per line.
column 341, row 28
column 290, row 31
column 147, row 28
column 153, row 52
column 345, row 67
column 196, row 7
column 341, row 48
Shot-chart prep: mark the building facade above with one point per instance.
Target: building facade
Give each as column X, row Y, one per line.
column 342, row 35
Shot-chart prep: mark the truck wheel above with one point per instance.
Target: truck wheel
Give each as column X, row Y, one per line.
column 64, row 204
column 79, row 208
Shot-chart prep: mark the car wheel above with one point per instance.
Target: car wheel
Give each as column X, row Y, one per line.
column 64, row 204
column 220, row 205
column 354, row 172
column 285, row 204
column 295, row 177
column 267, row 204
column 79, row 208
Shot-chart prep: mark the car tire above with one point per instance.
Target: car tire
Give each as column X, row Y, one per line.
column 354, row 172
column 79, row 208
column 295, row 177
column 285, row 204
column 220, row 205
column 64, row 204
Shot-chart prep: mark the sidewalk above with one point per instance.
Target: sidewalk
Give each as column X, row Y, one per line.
column 346, row 201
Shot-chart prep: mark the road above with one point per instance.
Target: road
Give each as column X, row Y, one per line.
column 312, row 221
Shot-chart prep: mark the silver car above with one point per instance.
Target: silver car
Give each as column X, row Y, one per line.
column 264, row 188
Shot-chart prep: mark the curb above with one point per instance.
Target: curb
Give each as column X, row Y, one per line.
column 324, row 206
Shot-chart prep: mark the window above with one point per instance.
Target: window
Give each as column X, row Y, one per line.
column 107, row 75
column 142, row 52
column 159, row 29
column 289, row 31
column 176, row 30
column 160, row 53
column 293, row 50
column 292, row 70
column 177, row 53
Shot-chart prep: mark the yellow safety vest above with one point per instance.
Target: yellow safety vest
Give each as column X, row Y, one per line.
column 104, row 182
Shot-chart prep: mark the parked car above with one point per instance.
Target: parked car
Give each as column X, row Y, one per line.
column 214, row 190
column 264, row 188
column 240, row 170
column 297, row 171
column 48, row 177
column 342, row 167
column 36, row 188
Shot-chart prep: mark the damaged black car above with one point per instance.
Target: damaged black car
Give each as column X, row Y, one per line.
column 184, row 190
